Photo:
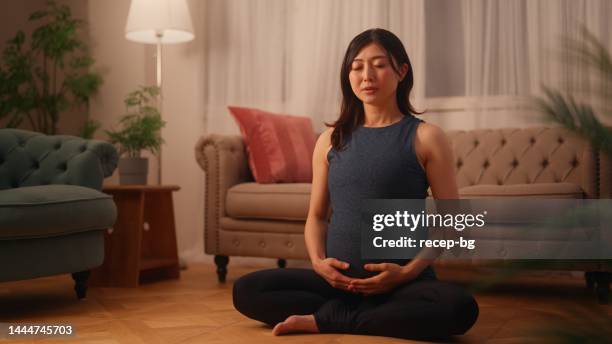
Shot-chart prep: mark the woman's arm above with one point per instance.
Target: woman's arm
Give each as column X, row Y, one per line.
column 316, row 223
column 434, row 152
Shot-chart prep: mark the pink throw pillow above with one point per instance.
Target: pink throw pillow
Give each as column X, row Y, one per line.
column 279, row 147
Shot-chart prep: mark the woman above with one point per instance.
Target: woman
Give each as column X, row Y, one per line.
column 376, row 149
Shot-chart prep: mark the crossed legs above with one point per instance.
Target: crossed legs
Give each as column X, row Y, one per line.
column 290, row 299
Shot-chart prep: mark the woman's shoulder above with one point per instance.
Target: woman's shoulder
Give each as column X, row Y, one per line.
column 326, row 134
column 430, row 139
column 324, row 139
column 430, row 133
column 323, row 144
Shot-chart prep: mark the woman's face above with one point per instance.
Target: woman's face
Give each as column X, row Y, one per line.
column 372, row 77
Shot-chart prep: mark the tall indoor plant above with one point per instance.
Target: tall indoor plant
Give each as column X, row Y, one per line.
column 140, row 130
column 587, row 118
column 579, row 322
column 41, row 81
column 581, row 117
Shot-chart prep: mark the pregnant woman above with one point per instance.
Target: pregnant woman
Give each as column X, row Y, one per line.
column 377, row 149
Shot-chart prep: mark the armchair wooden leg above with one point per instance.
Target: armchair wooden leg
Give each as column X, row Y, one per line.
column 602, row 289
column 281, row 263
column 589, row 278
column 80, row 283
column 221, row 262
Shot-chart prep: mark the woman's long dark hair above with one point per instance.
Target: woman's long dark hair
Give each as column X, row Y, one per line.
column 351, row 111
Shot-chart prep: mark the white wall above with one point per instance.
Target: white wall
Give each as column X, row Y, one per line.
column 122, row 62
column 126, row 65
column 184, row 82
column 465, row 113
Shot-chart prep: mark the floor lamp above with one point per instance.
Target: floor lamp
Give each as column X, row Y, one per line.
column 159, row 22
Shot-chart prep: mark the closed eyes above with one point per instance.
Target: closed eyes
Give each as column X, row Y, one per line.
column 360, row 67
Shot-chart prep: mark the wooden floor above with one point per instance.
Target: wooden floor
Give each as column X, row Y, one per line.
column 196, row 309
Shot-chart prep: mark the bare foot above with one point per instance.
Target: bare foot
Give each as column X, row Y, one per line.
column 296, row 323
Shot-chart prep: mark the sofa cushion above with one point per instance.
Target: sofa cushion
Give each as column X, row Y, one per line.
column 279, row 147
column 538, row 190
column 269, row 201
column 522, row 212
column 51, row 210
column 290, row 201
column 502, row 232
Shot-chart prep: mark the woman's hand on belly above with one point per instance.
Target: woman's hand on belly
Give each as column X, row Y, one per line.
column 328, row 269
column 390, row 276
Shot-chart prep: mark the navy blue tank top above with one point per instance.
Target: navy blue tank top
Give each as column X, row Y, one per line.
column 374, row 163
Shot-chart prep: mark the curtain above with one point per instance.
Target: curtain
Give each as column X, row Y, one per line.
column 513, row 46
column 551, row 21
column 285, row 56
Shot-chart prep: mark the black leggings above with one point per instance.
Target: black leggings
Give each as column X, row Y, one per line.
column 424, row 308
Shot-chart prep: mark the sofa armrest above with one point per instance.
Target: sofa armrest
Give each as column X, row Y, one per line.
column 84, row 162
column 224, row 161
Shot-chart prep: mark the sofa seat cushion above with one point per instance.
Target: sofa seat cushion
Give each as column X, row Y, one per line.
column 53, row 210
column 519, row 213
column 538, row 190
column 501, row 233
column 287, row 201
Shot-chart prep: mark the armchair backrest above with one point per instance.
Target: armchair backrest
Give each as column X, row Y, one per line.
column 29, row 158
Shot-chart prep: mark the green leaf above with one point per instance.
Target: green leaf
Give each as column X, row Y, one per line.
column 139, row 130
column 131, row 100
column 89, row 129
column 152, row 91
column 38, row 15
column 28, row 73
column 19, row 39
column 82, row 62
column 149, row 111
column 576, row 117
column 83, row 86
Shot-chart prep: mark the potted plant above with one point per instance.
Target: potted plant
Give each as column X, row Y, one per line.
column 41, row 81
column 584, row 118
column 140, row 130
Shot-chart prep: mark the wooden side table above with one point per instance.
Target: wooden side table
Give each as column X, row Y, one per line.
column 142, row 244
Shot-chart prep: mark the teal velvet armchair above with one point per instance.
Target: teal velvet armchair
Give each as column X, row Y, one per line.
column 52, row 213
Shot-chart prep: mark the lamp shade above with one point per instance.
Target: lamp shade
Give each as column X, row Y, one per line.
column 166, row 21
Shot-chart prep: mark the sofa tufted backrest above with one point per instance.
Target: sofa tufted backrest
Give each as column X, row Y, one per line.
column 526, row 155
column 28, row 158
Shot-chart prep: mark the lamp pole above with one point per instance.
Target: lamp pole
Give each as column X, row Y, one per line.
column 159, row 22
column 158, row 77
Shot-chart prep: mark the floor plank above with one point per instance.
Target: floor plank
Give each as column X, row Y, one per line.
column 197, row 309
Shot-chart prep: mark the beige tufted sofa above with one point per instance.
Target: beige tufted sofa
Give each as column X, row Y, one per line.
column 243, row 218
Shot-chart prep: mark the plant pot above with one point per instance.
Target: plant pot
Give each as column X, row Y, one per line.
column 133, row 171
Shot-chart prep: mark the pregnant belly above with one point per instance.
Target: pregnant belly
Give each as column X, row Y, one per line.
column 343, row 243
column 343, row 254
